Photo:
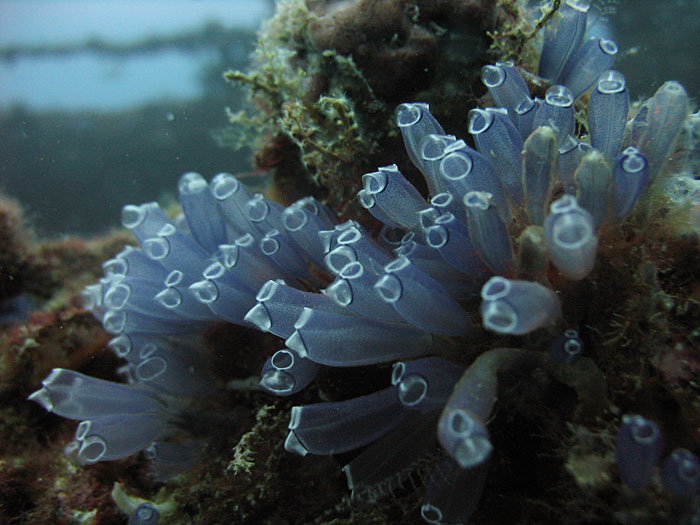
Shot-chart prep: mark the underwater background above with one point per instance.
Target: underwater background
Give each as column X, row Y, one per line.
column 115, row 105
column 82, row 143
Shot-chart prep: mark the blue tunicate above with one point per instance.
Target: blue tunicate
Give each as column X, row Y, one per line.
column 339, row 257
column 420, row 300
column 175, row 296
column 498, row 139
column 386, row 463
column 390, row 237
column 335, row 339
column 533, row 260
column 462, row 429
column 680, row 473
column 562, row 38
column 117, row 322
column 148, row 299
column 525, row 114
column 162, row 368
column 176, row 250
column 286, row 373
column 302, row 221
column 571, row 152
column 432, row 149
column 638, row 449
column 17, row 309
column 464, row 437
column 354, row 244
column 248, row 265
column 391, row 198
column 145, row 514
column 489, row 233
column 657, row 124
column 506, row 86
column 593, row 58
column 170, row 459
column 145, row 220
column 630, row 179
column 517, row 307
column 332, row 428
column 440, row 504
column 157, row 300
column 117, row 436
column 285, row 254
column 205, row 224
column 607, row 113
column 415, row 122
column 279, row 306
column 231, row 196
column 132, row 262
column 211, row 263
column 354, row 290
column 594, row 181
column 570, row 238
column 539, row 160
column 226, row 296
column 426, row 383
column 440, row 204
column 264, row 214
column 131, row 346
column 557, row 112
column 451, row 239
column 428, row 259
column 77, row 396
column 464, row 169
column 566, row 348
column 324, row 214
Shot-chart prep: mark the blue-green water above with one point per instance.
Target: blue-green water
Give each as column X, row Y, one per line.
column 74, row 166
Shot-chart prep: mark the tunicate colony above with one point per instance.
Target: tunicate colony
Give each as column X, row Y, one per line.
column 237, row 257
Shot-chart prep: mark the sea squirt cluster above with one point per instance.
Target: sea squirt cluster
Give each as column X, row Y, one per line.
column 531, row 193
